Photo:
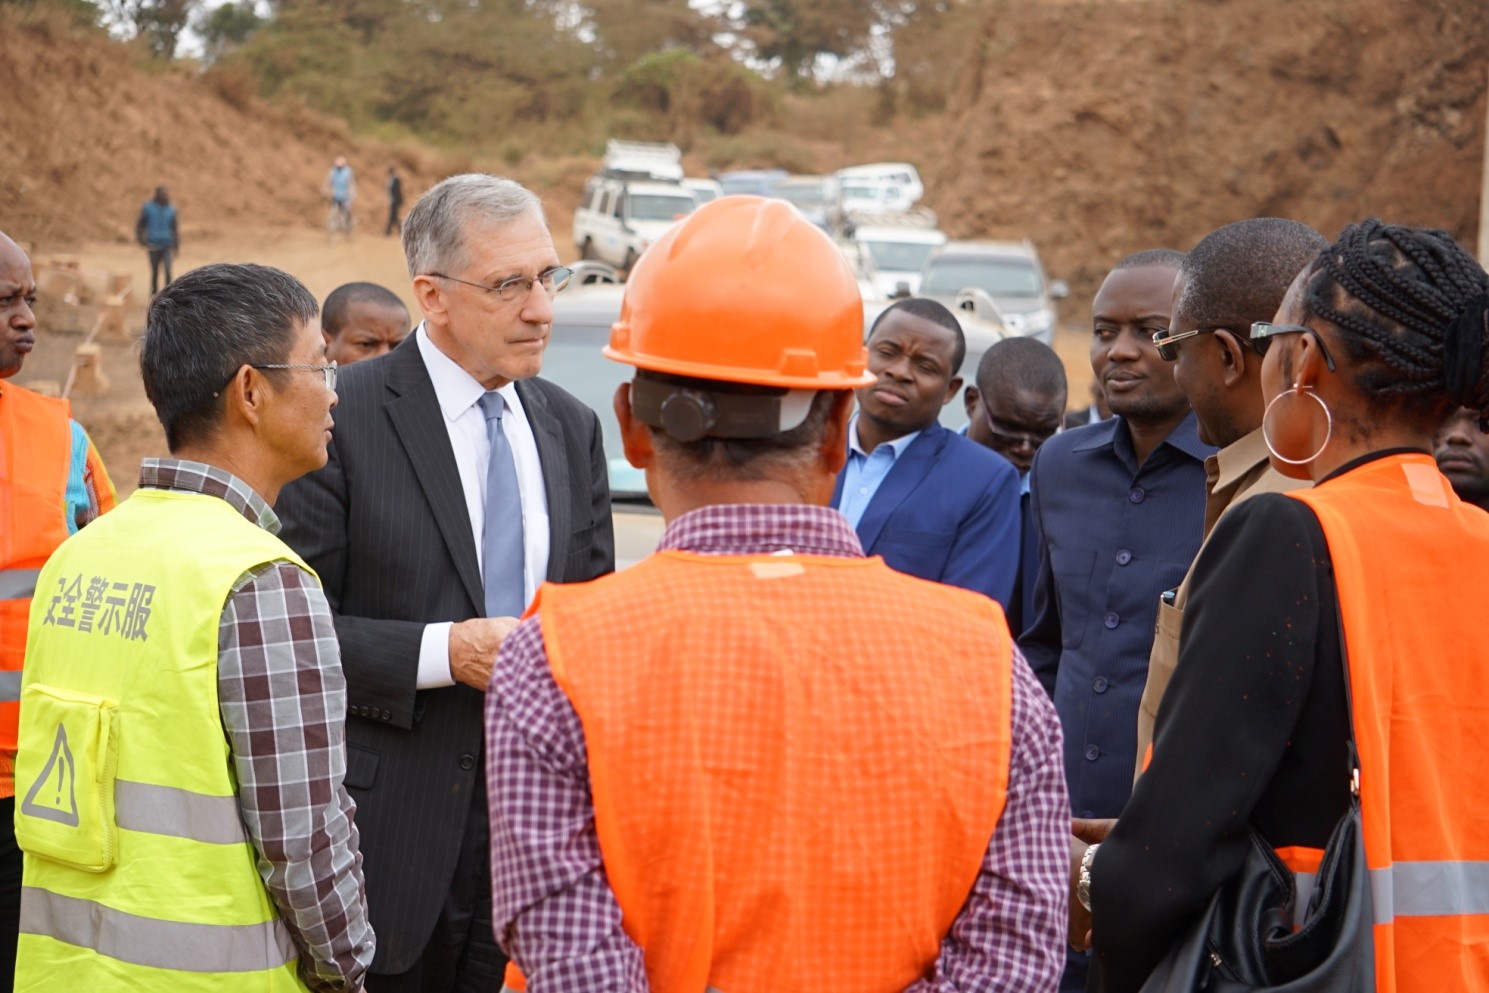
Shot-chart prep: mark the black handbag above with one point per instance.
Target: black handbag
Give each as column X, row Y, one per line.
column 1246, row 940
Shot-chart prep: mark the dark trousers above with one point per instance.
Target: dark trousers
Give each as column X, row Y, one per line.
column 394, row 224
column 10, row 893
column 462, row 955
column 159, row 257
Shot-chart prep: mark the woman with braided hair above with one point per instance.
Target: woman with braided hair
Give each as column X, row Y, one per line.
column 1377, row 572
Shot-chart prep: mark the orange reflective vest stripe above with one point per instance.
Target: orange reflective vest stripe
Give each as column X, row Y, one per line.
column 797, row 762
column 1412, row 563
column 35, row 456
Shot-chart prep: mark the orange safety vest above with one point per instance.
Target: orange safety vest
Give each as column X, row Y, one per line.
column 35, row 456
column 797, row 762
column 1411, row 562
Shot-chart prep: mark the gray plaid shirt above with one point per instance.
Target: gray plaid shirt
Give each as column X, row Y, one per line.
column 283, row 702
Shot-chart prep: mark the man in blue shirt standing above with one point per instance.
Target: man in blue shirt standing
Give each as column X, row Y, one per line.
column 932, row 503
column 1119, row 509
column 156, row 230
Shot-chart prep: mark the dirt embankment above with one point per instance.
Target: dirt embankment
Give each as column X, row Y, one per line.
column 1099, row 128
column 90, row 134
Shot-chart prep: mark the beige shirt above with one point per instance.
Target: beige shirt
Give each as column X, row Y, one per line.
column 1238, row 471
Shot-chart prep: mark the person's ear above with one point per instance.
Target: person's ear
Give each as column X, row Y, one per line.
column 1308, row 361
column 951, row 389
column 970, row 398
column 430, row 297
column 1233, row 356
column 245, row 395
column 834, row 448
column 635, row 435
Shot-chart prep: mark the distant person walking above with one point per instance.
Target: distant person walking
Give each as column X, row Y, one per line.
column 340, row 188
column 395, row 202
column 156, row 229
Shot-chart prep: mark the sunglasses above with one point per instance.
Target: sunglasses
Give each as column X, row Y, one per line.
column 1165, row 341
column 1263, row 330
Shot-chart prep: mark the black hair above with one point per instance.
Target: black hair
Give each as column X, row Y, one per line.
column 333, row 313
column 741, row 459
column 1022, row 363
column 1152, row 258
column 1240, row 273
column 930, row 310
column 1412, row 308
column 205, row 326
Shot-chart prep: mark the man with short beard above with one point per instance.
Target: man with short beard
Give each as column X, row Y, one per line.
column 1119, row 510
column 1462, row 451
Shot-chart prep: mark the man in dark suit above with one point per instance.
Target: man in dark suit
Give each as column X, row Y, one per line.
column 456, row 484
column 1014, row 407
column 932, row 503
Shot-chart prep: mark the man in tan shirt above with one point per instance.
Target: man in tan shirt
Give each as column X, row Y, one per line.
column 1235, row 275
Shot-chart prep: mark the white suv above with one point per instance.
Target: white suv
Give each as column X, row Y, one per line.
column 618, row 219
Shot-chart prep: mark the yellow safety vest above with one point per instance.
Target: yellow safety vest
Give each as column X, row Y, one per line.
column 138, row 870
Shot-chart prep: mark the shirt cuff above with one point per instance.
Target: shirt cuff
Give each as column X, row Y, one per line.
column 434, row 658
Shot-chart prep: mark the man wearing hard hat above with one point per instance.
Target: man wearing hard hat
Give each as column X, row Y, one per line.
column 758, row 760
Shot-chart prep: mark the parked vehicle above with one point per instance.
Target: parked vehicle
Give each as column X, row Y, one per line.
column 618, row 218
column 756, row 182
column 819, row 198
column 1008, row 274
column 704, row 189
column 643, row 160
column 889, row 250
column 880, row 187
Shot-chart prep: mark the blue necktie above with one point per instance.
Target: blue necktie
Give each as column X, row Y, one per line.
column 501, row 532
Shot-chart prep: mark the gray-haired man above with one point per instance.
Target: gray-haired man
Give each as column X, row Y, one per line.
column 456, row 484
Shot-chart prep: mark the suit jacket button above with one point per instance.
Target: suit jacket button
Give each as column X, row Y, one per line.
column 387, row 715
column 467, row 761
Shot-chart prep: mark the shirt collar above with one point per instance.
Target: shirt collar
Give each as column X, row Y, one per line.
column 1227, row 466
column 456, row 390
column 184, row 476
column 762, row 529
column 1184, row 437
column 897, row 446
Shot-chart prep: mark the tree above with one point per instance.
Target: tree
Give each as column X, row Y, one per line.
column 226, row 27
column 158, row 22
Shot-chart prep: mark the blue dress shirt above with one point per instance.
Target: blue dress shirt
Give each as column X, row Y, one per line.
column 1112, row 537
column 866, row 470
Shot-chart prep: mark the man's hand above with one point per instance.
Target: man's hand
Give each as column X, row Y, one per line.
column 473, row 647
column 1085, row 834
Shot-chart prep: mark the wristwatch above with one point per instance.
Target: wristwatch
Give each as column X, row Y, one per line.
column 1083, row 880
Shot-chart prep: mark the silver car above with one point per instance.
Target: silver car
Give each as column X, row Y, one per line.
column 1008, row 273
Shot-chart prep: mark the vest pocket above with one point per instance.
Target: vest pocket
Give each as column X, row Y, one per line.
column 65, row 767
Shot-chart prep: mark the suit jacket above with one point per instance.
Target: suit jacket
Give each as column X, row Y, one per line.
column 386, row 527
column 948, row 511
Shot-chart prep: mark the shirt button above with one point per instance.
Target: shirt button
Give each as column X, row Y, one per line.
column 1092, row 753
column 1111, row 620
column 1124, row 557
column 467, row 761
column 1100, row 685
column 1136, row 494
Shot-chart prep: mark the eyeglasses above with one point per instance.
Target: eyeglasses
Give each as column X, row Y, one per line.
column 1262, row 330
column 1165, row 341
column 552, row 280
column 328, row 372
column 1012, row 439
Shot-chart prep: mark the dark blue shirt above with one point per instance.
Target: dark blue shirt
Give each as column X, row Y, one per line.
column 1112, row 538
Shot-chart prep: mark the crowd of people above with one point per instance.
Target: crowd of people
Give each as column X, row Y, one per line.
column 348, row 694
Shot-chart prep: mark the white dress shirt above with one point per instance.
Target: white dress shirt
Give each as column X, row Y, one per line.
column 459, row 396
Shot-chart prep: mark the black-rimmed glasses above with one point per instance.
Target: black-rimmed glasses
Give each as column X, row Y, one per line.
column 518, row 287
column 1262, row 330
column 328, row 372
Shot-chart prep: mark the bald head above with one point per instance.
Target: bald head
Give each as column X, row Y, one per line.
column 17, row 297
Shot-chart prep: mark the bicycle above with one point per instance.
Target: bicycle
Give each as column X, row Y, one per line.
column 339, row 219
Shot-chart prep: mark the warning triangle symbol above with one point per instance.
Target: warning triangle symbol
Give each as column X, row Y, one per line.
column 54, row 796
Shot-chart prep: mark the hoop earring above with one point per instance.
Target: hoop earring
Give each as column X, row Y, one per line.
column 1267, row 423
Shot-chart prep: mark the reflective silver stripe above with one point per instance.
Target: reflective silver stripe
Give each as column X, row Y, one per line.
column 16, row 584
column 10, row 684
column 1303, row 884
column 150, row 942
column 178, row 813
column 1429, row 889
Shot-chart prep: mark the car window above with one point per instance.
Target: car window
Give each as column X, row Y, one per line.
column 573, row 361
column 660, row 207
column 734, row 186
column 899, row 256
column 996, row 277
column 801, row 195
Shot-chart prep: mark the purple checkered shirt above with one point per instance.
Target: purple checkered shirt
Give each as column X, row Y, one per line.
column 283, row 703
column 553, row 910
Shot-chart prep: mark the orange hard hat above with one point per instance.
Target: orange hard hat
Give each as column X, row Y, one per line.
column 745, row 290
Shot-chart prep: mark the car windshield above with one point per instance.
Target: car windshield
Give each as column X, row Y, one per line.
column 660, row 207
column 898, row 256
column 801, row 194
column 862, row 192
column 573, row 361
column 740, row 184
column 704, row 194
column 996, row 277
